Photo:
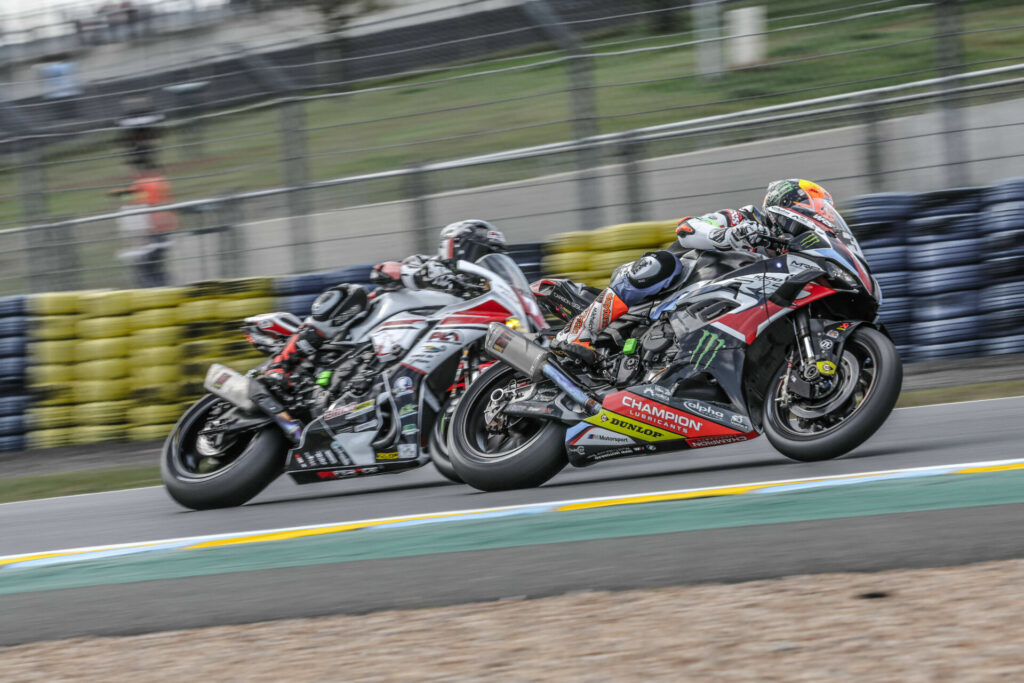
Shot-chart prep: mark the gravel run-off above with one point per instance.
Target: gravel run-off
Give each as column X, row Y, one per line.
column 957, row 624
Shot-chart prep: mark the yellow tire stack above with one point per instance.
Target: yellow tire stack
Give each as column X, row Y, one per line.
column 591, row 256
column 50, row 375
column 111, row 365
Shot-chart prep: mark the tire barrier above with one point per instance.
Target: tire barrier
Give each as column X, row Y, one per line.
column 14, row 344
column 590, row 257
column 963, row 278
column 105, row 365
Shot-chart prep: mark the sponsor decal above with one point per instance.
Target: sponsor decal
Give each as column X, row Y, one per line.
column 340, row 452
column 808, row 240
column 659, row 415
column 221, row 379
column 409, row 430
column 403, row 385
column 406, row 450
column 602, row 438
column 299, row 459
column 393, row 455
column 448, row 336
column 825, row 221
column 843, row 327
column 704, row 441
column 706, row 350
column 656, row 392
column 320, row 458
column 833, row 334
column 351, row 409
column 615, row 452
column 825, row 344
column 429, row 348
column 826, row 368
column 740, row 421
column 629, row 427
column 576, row 450
column 704, row 409
column 408, row 409
column 501, row 343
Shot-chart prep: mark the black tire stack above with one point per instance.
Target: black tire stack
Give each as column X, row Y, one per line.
column 14, row 399
column 879, row 222
column 951, row 267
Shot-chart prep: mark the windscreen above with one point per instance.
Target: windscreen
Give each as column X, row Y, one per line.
column 503, row 266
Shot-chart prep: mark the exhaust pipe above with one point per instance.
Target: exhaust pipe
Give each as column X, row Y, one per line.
column 229, row 385
column 241, row 391
column 535, row 362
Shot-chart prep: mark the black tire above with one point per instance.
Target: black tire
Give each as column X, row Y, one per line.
column 868, row 415
column 528, row 464
column 258, row 461
column 437, row 444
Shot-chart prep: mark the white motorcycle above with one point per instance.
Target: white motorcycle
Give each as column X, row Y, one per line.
column 376, row 401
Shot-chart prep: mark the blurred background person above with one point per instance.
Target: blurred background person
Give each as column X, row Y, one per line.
column 148, row 233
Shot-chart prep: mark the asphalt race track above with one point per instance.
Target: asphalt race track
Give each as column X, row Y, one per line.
column 931, row 435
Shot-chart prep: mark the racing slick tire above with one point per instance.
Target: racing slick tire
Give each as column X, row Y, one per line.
column 437, row 445
column 256, row 460
column 536, row 454
column 879, row 397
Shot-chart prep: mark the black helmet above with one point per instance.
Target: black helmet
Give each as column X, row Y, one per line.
column 469, row 240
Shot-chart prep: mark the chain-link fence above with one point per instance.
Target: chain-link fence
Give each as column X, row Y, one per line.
column 542, row 116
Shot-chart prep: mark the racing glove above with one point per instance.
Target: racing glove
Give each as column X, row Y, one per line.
column 433, row 274
column 748, row 234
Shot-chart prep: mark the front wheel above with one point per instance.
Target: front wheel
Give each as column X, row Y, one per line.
column 846, row 412
column 492, row 451
column 204, row 473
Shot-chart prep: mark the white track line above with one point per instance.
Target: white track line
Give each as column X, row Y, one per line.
column 467, row 513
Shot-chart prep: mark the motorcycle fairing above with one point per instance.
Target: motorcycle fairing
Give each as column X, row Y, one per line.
column 644, row 420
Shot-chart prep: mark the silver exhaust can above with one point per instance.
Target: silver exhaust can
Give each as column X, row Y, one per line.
column 516, row 350
column 229, row 385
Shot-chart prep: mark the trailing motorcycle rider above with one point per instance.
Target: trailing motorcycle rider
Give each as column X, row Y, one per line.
column 340, row 307
column 726, row 230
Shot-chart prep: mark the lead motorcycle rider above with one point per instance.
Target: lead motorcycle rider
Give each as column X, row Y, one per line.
column 631, row 284
column 340, row 307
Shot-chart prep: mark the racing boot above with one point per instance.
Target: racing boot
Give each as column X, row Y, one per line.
column 575, row 340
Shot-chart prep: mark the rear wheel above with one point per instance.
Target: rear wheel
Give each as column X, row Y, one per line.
column 203, row 473
column 493, row 451
column 438, row 445
column 846, row 412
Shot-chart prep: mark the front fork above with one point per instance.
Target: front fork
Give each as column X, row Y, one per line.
column 810, row 366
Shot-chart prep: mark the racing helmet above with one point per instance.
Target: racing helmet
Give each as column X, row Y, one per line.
column 469, row 240
column 794, row 206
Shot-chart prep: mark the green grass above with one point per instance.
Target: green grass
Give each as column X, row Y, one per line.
column 362, row 132
column 81, row 481
column 359, row 132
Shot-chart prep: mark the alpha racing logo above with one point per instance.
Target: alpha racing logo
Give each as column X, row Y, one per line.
column 659, row 415
column 704, row 409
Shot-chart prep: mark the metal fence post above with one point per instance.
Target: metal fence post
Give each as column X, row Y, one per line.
column 873, row 167
column 949, row 53
column 584, row 110
column 296, row 172
column 636, row 201
column 51, row 250
column 707, row 19
column 416, row 189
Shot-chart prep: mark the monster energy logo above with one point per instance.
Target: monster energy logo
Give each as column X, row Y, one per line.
column 706, row 350
column 808, row 240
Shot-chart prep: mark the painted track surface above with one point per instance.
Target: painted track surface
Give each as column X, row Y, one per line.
column 955, row 433
column 940, row 434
